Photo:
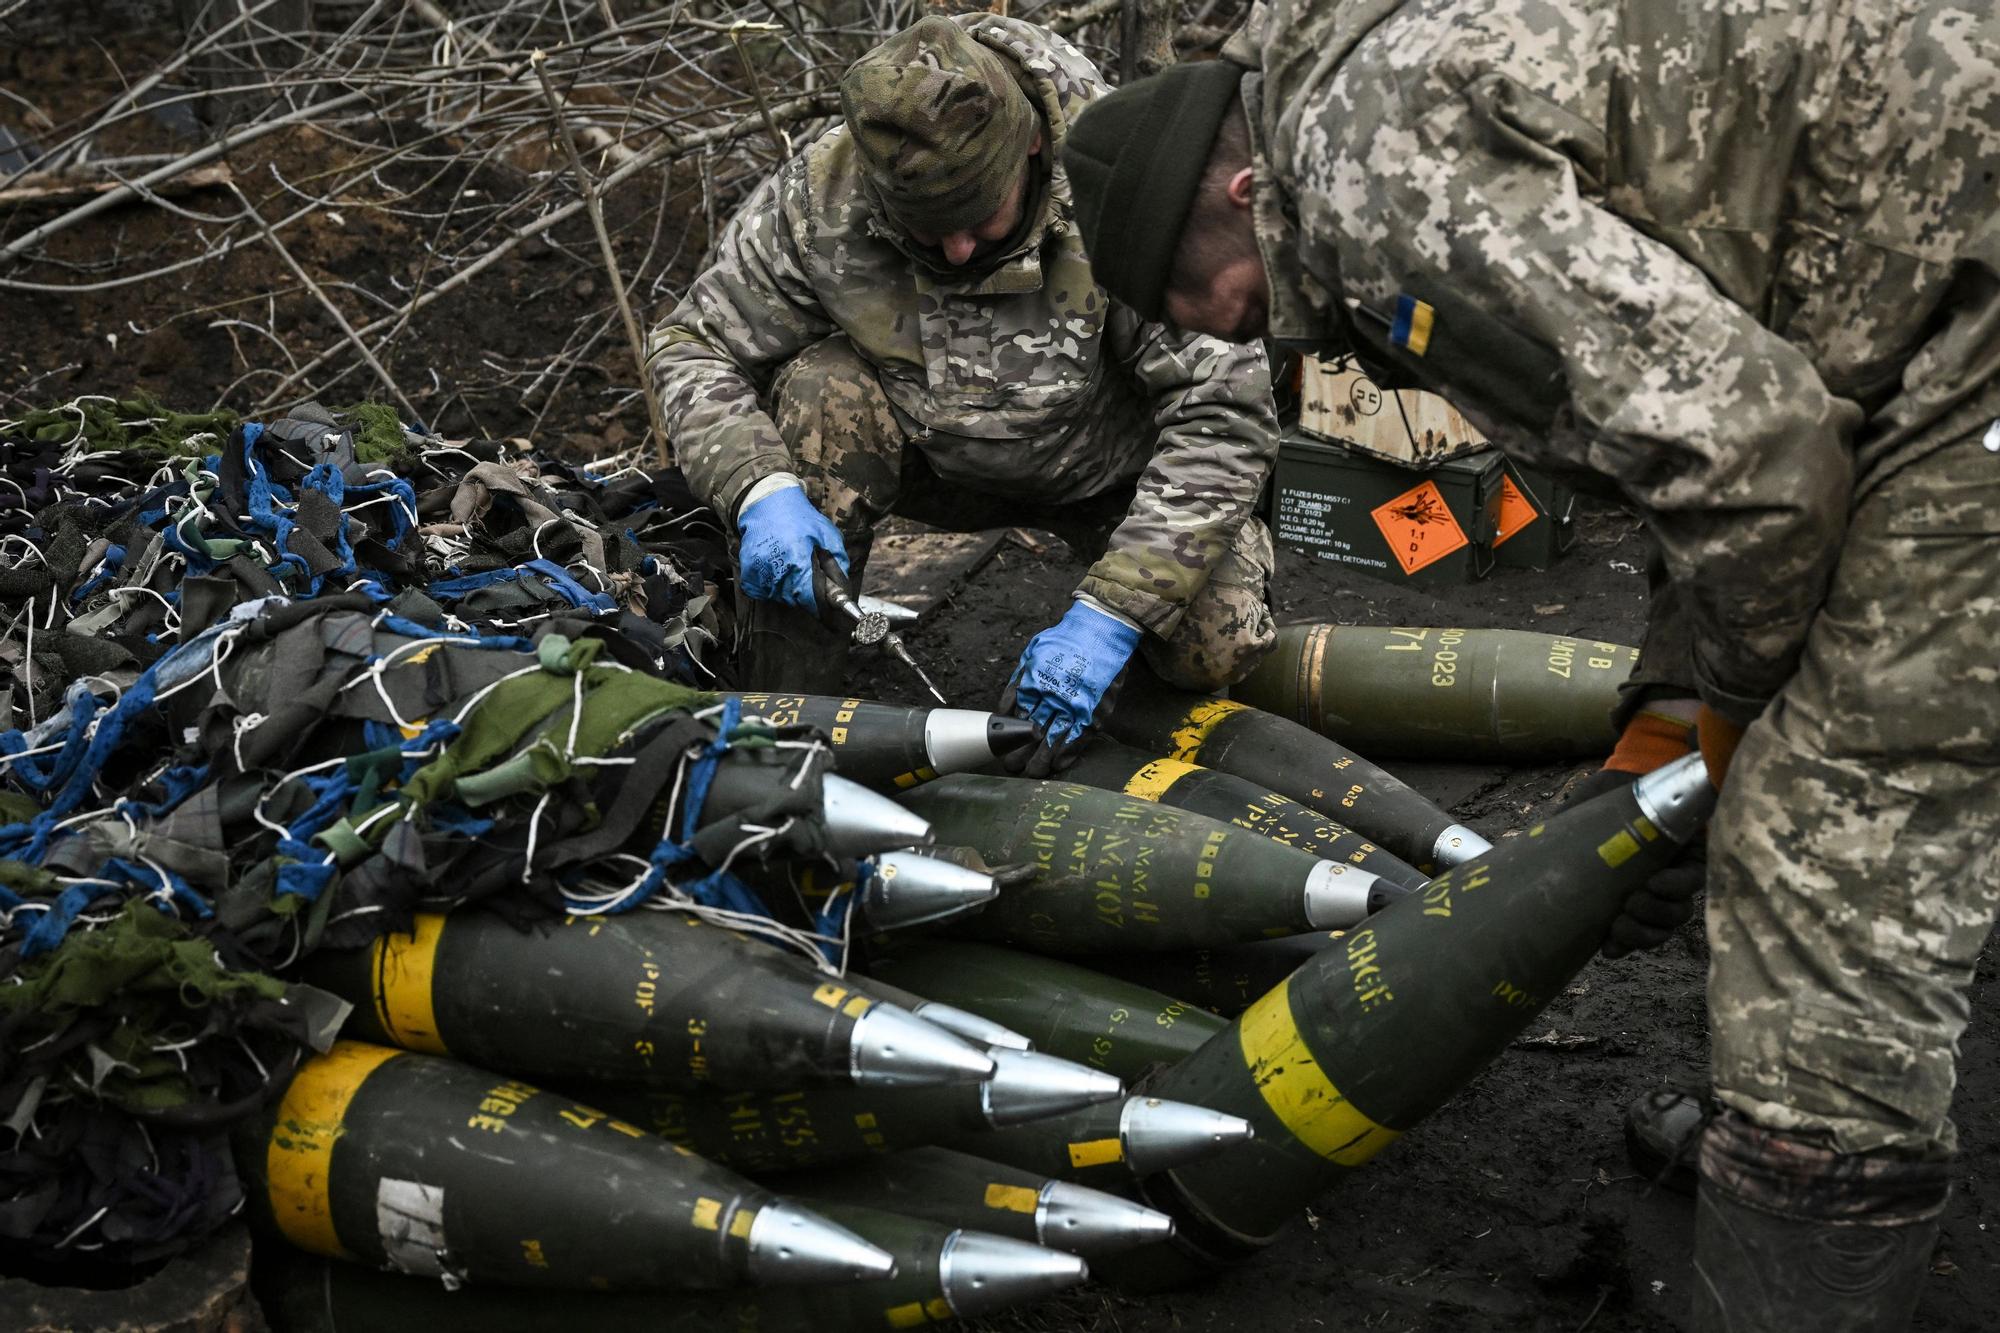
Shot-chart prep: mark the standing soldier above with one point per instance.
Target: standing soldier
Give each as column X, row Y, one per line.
column 902, row 321
column 1744, row 261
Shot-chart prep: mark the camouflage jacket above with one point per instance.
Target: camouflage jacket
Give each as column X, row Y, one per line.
column 1738, row 258
column 994, row 370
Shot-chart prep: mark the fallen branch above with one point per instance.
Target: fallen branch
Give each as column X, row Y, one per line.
column 64, row 186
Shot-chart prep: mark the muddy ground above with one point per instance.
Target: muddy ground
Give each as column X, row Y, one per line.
column 1514, row 1208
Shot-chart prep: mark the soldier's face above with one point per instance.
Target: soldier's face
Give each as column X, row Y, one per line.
column 1234, row 303
column 976, row 243
column 1219, row 286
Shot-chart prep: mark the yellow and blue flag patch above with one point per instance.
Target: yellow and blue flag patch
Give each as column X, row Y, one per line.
column 1411, row 328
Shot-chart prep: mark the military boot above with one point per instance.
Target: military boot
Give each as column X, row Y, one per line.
column 1790, row 1234
column 786, row 649
column 1663, row 1136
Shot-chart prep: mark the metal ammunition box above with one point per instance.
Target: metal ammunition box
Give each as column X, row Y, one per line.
column 1537, row 518
column 1435, row 525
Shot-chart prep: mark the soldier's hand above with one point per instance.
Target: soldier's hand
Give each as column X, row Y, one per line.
column 1061, row 681
column 780, row 532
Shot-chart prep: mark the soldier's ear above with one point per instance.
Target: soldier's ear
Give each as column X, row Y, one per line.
column 1240, row 186
column 1035, row 148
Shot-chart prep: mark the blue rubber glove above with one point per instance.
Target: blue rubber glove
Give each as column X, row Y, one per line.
column 780, row 533
column 1065, row 671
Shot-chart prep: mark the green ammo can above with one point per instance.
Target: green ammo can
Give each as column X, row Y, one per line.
column 1537, row 518
column 1434, row 525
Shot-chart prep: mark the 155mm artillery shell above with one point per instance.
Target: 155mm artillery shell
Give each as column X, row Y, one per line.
column 1460, row 694
column 1366, row 1039
column 941, row 1274
column 890, row 747
column 1113, row 873
column 767, row 1131
column 965, row 1191
column 1287, row 758
column 1120, row 768
column 652, row 997
column 432, row 1167
column 1064, row 1009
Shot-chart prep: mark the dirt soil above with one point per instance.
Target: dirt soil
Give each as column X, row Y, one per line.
column 1514, row 1208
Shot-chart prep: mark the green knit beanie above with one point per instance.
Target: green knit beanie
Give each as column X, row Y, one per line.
column 1135, row 159
column 942, row 127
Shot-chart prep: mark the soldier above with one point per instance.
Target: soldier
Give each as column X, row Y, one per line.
column 902, row 321
column 1744, row 261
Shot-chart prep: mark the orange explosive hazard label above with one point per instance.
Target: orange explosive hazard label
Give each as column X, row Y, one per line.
column 1517, row 511
column 1418, row 527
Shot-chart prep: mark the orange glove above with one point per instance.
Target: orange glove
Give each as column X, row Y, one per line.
column 1718, row 738
column 1651, row 740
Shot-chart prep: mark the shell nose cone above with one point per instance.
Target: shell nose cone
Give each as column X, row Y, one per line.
column 962, row 740
column 1677, row 797
column 1082, row 1220
column 908, row 889
column 975, row 1029
column 1005, row 732
column 893, row 1048
column 790, row 1245
column 1160, row 1135
column 1457, row 845
column 981, row 1273
column 1027, row 1085
column 859, row 822
column 1338, row 896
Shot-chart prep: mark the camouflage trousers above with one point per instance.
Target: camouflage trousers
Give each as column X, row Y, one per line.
column 860, row 464
column 1855, row 857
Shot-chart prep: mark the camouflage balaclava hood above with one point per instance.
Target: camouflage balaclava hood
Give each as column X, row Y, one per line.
column 1135, row 159
column 942, row 127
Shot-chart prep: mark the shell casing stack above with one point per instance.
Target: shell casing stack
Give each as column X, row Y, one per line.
column 1285, row 757
column 1115, row 874
column 1322, row 1066
column 1114, row 767
column 653, row 997
column 434, row 1168
column 1063, row 1008
column 1439, row 693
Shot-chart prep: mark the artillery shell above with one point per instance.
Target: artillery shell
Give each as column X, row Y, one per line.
column 890, row 747
column 1114, row 767
column 1368, row 1038
column 1223, row 980
column 765, row 1132
column 1065, row 1009
column 1464, row 694
column 432, row 1167
column 1113, row 873
column 960, row 1190
column 652, row 997
column 941, row 1274
column 1279, row 754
